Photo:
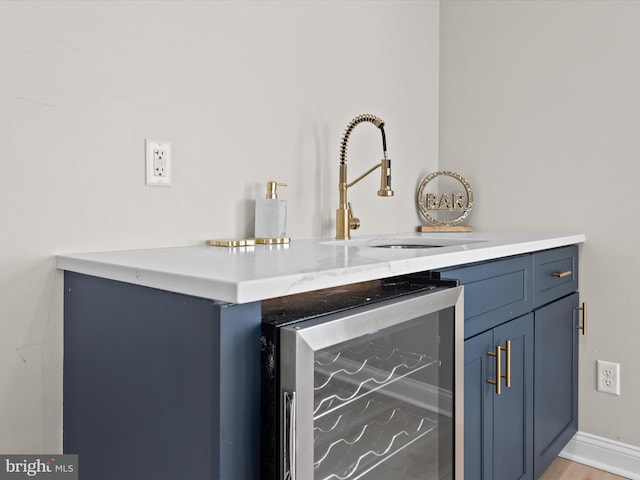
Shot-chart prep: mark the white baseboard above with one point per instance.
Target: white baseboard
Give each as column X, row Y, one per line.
column 604, row 454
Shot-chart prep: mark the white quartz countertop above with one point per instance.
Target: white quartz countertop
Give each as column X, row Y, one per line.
column 246, row 274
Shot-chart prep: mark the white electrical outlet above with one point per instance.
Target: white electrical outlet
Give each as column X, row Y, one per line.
column 158, row 162
column 608, row 377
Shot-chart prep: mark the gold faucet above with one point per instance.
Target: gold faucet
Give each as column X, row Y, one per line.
column 345, row 221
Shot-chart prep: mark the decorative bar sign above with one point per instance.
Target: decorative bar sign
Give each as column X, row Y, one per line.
column 445, row 199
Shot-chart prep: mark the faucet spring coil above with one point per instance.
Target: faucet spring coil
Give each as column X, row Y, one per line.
column 352, row 124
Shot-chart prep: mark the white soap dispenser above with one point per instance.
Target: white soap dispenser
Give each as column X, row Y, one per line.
column 271, row 216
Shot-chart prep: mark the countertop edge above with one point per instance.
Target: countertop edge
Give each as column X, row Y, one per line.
column 256, row 289
column 331, row 278
column 172, row 282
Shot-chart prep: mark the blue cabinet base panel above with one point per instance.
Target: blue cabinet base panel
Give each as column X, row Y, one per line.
column 149, row 392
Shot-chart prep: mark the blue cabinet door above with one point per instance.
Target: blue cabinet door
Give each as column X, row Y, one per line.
column 478, row 407
column 513, row 408
column 556, row 379
column 499, row 428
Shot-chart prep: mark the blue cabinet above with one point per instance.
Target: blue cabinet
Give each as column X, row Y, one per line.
column 494, row 291
column 556, row 353
column 556, row 379
column 158, row 384
column 499, row 427
column 530, row 300
column 478, row 408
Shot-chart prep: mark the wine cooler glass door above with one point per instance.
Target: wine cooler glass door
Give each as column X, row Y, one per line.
column 372, row 395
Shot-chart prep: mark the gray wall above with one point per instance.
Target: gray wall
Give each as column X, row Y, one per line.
column 246, row 91
column 540, row 111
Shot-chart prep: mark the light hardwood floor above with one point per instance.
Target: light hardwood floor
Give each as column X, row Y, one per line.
column 562, row 469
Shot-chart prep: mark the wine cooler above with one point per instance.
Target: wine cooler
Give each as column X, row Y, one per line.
column 371, row 391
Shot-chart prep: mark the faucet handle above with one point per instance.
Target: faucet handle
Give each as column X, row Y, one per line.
column 354, row 223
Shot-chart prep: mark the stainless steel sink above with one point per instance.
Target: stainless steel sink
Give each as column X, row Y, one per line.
column 406, row 245
column 404, row 242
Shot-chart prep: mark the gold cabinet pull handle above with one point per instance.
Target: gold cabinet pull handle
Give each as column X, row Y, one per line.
column 564, row 273
column 499, row 375
column 497, row 382
column 507, row 375
column 583, row 327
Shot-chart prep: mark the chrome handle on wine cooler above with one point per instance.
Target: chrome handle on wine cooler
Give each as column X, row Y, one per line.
column 289, row 435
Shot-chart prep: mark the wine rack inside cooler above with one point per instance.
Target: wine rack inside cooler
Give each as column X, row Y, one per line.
column 380, row 401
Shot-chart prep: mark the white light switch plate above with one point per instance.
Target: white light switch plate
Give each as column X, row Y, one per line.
column 158, row 163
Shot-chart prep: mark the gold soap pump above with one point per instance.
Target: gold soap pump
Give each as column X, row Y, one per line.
column 271, row 217
column 272, row 188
